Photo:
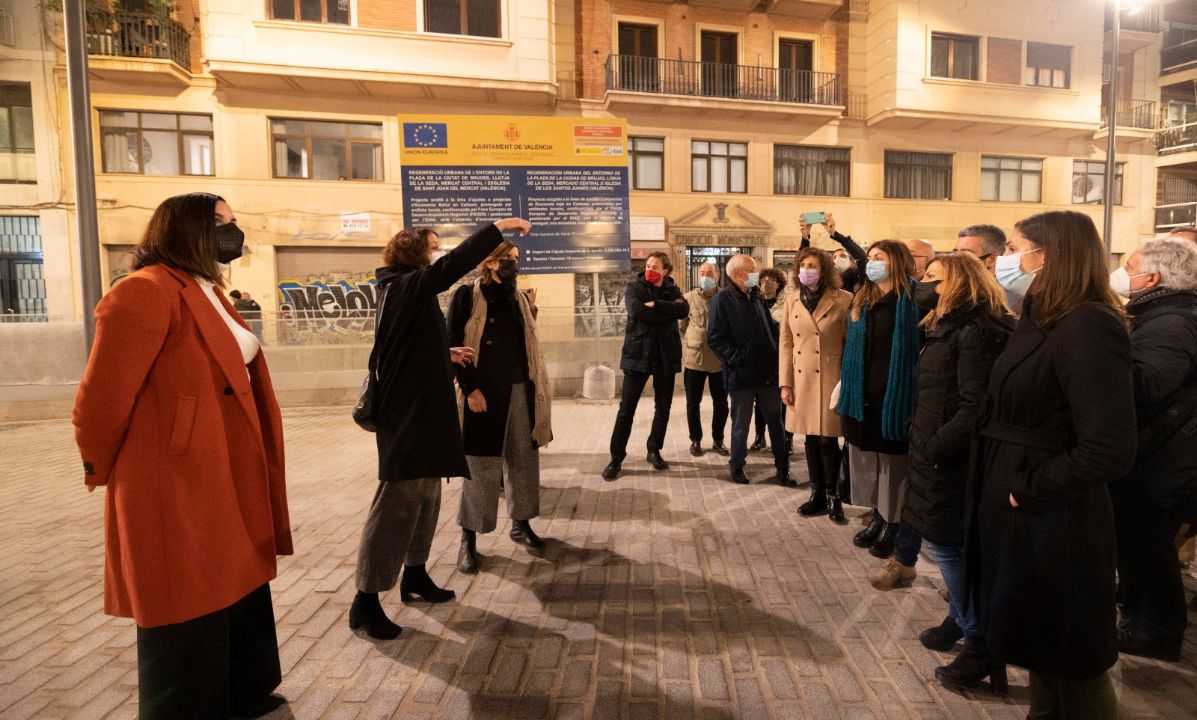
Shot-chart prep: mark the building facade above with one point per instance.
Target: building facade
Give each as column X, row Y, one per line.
column 903, row 118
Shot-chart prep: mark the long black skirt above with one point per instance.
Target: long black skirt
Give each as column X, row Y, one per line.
column 215, row 666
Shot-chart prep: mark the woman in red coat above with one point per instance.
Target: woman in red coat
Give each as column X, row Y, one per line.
column 177, row 418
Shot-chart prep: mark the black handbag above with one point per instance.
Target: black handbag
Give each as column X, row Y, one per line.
column 367, row 401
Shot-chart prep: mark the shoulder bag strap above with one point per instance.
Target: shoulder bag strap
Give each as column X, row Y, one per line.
column 373, row 362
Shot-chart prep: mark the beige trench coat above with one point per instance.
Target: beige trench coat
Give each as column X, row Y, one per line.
column 809, row 353
column 696, row 353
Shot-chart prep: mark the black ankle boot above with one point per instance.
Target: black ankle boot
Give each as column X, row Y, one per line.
column 865, row 537
column 521, row 532
column 836, row 513
column 943, row 636
column 416, row 582
column 883, row 546
column 467, row 557
column 758, row 444
column 971, row 667
column 654, row 458
column 612, row 470
column 815, row 505
column 366, row 612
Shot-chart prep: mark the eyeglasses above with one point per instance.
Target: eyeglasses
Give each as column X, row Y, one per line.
column 962, row 251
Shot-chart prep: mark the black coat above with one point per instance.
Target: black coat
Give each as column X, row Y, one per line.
column 879, row 340
column 418, row 432
column 652, row 338
column 502, row 362
column 954, row 369
column 1164, row 343
column 1058, row 427
column 742, row 333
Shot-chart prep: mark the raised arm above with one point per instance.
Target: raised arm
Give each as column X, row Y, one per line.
column 442, row 274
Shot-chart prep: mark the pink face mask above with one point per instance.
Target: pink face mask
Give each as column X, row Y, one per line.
column 808, row 277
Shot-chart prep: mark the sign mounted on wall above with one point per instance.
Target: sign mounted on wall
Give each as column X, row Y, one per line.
column 355, row 222
column 567, row 176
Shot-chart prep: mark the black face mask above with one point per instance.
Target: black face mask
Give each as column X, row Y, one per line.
column 508, row 271
column 229, row 241
column 925, row 295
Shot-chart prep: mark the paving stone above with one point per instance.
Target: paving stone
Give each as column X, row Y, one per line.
column 662, row 595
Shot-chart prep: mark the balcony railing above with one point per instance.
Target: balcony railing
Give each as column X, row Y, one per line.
column 1134, row 114
column 737, row 82
column 138, row 35
column 1177, row 190
column 1150, row 19
column 1177, row 139
column 1171, row 216
column 1178, row 56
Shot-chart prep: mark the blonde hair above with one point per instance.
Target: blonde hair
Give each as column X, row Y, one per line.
column 499, row 253
column 966, row 283
column 901, row 269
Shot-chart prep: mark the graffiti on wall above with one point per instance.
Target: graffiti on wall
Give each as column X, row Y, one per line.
column 330, row 308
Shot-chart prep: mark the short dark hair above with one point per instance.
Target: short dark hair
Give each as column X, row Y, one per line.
column 993, row 240
column 235, row 294
column 182, row 235
column 408, row 248
column 663, row 257
column 778, row 277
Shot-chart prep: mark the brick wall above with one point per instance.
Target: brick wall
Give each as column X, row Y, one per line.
column 596, row 33
column 387, row 14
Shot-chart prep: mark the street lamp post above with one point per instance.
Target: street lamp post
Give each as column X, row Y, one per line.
column 1107, row 195
column 1112, row 123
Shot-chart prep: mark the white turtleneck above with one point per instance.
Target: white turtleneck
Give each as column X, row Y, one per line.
column 247, row 341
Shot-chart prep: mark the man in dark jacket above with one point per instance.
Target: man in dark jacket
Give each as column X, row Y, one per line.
column 652, row 347
column 1157, row 496
column 741, row 333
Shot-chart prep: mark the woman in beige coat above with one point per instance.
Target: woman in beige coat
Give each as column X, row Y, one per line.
column 813, row 329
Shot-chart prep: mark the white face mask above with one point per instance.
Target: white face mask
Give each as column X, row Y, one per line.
column 1120, row 281
column 842, row 263
column 438, row 254
column 1010, row 274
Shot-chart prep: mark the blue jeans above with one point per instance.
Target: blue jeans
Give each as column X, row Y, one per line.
column 950, row 560
column 768, row 399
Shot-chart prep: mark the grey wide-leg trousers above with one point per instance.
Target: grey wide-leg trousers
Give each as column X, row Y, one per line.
column 398, row 531
column 519, row 468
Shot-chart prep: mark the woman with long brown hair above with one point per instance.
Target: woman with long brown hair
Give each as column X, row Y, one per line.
column 505, row 398
column 877, row 389
column 1059, row 426
column 813, row 326
column 176, row 418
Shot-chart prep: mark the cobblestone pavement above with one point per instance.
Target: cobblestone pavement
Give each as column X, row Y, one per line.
column 663, row 595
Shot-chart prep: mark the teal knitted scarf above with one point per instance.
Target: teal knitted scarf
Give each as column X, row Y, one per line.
column 900, row 387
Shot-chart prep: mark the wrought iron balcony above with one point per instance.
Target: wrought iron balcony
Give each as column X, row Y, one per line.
column 1177, row 139
column 138, row 35
column 1133, row 114
column 1175, row 215
column 632, row 73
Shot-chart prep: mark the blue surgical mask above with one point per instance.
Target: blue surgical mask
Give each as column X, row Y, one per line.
column 877, row 270
column 706, row 284
column 754, row 278
column 1010, row 274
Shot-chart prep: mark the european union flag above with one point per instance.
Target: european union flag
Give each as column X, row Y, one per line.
column 425, row 135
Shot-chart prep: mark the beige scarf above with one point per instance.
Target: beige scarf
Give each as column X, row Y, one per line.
column 542, row 432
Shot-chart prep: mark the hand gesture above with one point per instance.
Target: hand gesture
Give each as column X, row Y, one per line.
column 803, row 228
column 787, row 396
column 519, row 224
column 462, row 355
column 477, row 402
column 830, row 224
column 531, row 294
